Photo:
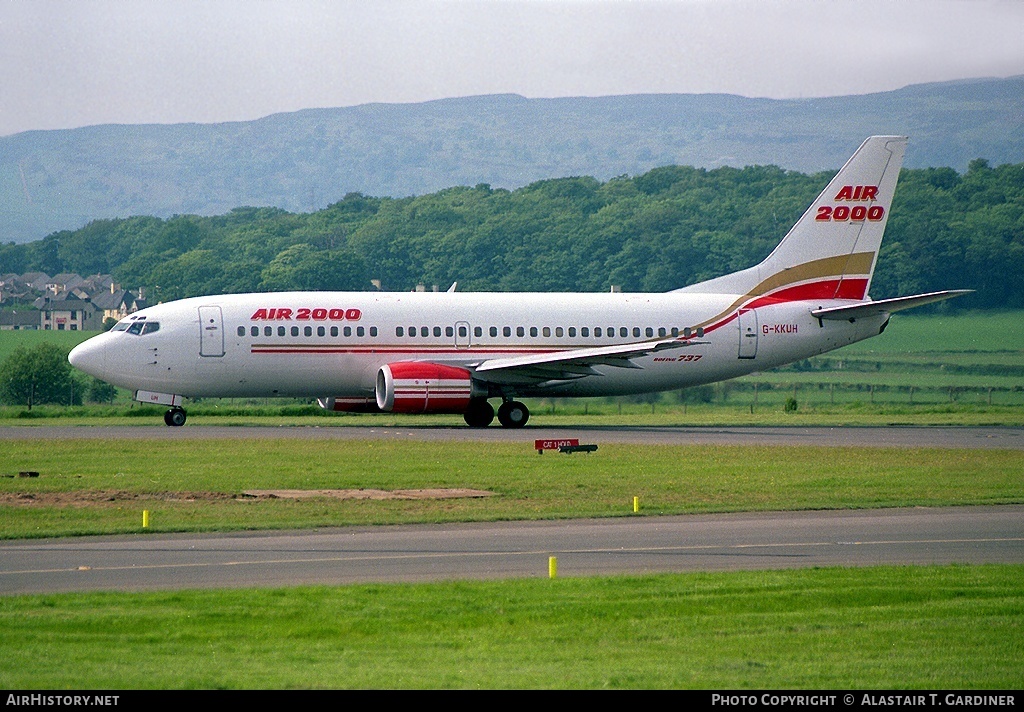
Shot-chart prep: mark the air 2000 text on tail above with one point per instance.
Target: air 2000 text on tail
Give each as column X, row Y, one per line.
column 453, row 352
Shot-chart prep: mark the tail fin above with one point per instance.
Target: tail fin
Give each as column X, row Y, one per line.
column 831, row 251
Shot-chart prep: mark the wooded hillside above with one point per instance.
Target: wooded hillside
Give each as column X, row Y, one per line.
column 667, row 228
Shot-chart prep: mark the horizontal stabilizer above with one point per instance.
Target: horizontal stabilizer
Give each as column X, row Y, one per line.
column 860, row 310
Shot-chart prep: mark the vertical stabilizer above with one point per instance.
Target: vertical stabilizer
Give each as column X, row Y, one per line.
column 831, row 251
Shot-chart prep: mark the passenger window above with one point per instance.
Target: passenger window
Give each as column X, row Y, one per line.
column 585, row 331
column 520, row 331
column 254, row 331
column 493, row 331
column 547, row 331
column 334, row 331
column 558, row 331
column 675, row 331
column 280, row 331
column 449, row 331
column 268, row 331
column 623, row 332
column 597, row 331
column 649, row 331
column 572, row 331
column 308, row 331
column 373, row 331
column 636, row 332
column 295, row 331
column 661, row 331
column 399, row 331
column 348, row 331
column 437, row 331
column 321, row 331
column 507, row 331
column 533, row 331
column 241, row 330
column 478, row 331
column 463, row 332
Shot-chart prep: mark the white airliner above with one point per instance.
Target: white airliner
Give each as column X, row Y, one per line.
column 449, row 352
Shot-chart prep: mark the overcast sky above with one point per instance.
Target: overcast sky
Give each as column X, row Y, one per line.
column 75, row 63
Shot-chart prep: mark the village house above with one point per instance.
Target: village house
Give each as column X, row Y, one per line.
column 65, row 302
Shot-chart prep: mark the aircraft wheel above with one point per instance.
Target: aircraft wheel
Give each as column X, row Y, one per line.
column 480, row 414
column 175, row 417
column 513, row 414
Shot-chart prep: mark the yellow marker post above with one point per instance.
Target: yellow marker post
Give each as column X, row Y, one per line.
column 145, row 518
column 552, row 567
column 636, row 505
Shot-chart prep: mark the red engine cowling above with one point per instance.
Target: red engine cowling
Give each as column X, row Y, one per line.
column 418, row 387
column 345, row 404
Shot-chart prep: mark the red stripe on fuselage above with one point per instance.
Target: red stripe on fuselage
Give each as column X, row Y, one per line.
column 827, row 289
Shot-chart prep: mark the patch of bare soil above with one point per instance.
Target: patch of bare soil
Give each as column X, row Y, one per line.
column 110, row 497
column 370, row 494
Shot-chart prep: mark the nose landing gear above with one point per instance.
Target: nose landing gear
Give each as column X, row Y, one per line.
column 175, row 417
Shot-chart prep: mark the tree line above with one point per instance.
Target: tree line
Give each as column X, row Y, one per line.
column 667, row 228
column 42, row 375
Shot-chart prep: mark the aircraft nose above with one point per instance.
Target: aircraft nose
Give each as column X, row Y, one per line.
column 90, row 357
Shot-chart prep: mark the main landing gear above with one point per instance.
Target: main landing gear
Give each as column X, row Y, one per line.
column 511, row 414
column 175, row 417
column 480, row 413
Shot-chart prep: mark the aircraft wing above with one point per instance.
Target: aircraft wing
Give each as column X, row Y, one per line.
column 568, row 365
column 860, row 310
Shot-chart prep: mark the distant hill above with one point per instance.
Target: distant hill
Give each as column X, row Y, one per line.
column 301, row 161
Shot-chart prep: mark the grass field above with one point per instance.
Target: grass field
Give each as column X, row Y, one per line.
column 101, row 486
column 930, row 627
column 953, row 627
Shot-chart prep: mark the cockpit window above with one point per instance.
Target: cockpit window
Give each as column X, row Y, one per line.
column 139, row 327
column 121, row 326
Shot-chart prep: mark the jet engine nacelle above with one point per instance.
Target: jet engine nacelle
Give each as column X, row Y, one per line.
column 343, row 404
column 418, row 387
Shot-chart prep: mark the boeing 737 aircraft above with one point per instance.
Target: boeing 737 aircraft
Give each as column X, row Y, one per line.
column 449, row 352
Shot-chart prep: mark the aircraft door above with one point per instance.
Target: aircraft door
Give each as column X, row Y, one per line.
column 748, row 333
column 211, row 331
column 462, row 338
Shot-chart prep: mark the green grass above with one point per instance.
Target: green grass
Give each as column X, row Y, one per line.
column 965, row 332
column 934, row 627
column 114, row 480
column 10, row 340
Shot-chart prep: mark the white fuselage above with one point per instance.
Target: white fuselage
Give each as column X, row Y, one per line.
column 316, row 344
